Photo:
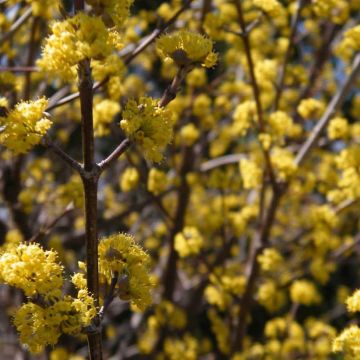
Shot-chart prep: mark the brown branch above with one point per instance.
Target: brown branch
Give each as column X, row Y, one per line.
column 171, row 91
column 46, row 230
column 119, row 150
column 30, row 57
column 71, row 162
column 321, row 57
column 16, row 69
column 334, row 105
column 294, row 25
column 256, row 91
column 90, row 183
column 110, row 295
column 252, row 272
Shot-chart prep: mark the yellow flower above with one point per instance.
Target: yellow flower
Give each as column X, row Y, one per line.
column 189, row 134
column 120, row 254
column 32, row 269
column 338, row 128
column 189, row 241
column 117, row 10
column 243, row 116
column 271, row 296
column 187, row 48
column 129, row 179
column 353, row 302
column 273, row 7
column 283, row 161
column 311, row 108
column 24, row 126
column 157, row 181
column 72, row 40
column 270, row 259
column 304, row 292
column 250, row 173
column 104, row 112
column 349, row 343
column 149, row 125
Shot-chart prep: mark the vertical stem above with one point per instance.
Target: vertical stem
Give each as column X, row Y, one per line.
column 90, row 183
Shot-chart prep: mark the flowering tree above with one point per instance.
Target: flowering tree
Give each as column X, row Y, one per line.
column 180, row 179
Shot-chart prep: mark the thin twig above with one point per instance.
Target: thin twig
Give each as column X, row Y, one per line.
column 221, row 161
column 294, row 25
column 110, row 295
column 71, row 162
column 46, row 230
column 255, row 87
column 18, row 69
column 120, row 149
column 334, row 105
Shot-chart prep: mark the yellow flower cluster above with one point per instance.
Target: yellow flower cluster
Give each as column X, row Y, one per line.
column 187, row 48
column 104, row 112
column 188, row 242
column 166, row 314
column 157, row 181
column 224, row 287
column 43, row 8
column 282, row 125
column 338, row 128
column 120, row 255
column 271, row 296
column 348, row 342
column 283, row 161
column 251, row 173
column 304, row 292
column 181, row 349
column 350, row 44
column 24, row 126
column 48, row 313
column 150, row 126
column 272, row 7
column 348, row 162
column 33, row 270
column 40, row 326
column 129, row 179
column 353, row 302
column 311, row 108
column 270, row 259
column 189, row 134
column 75, row 39
column 337, row 11
column 117, row 10
column 243, row 116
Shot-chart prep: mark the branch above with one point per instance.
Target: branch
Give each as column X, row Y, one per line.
column 120, row 149
column 334, row 105
column 110, row 295
column 18, row 69
column 294, row 25
column 71, row 162
column 256, row 91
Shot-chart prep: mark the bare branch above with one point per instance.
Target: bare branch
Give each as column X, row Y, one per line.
column 334, row 105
